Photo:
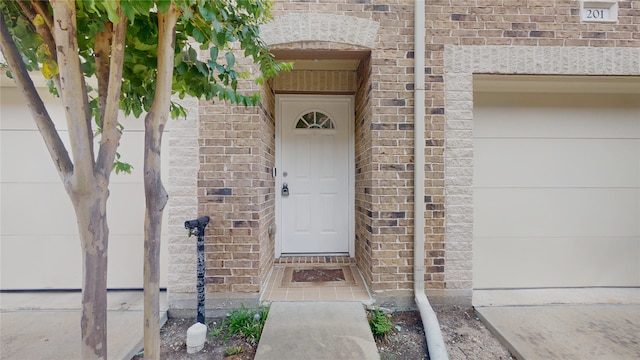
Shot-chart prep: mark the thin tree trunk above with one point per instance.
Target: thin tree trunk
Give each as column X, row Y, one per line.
column 94, row 236
column 155, row 193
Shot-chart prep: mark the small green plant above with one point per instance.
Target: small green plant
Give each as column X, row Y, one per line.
column 216, row 330
column 246, row 322
column 380, row 323
column 234, row 350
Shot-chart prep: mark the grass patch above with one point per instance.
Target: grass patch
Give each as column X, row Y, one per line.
column 234, row 350
column 245, row 322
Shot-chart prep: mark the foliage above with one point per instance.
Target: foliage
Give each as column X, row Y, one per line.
column 380, row 323
column 246, row 322
column 212, row 26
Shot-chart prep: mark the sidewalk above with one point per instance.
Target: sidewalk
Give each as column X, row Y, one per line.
column 46, row 325
column 317, row 330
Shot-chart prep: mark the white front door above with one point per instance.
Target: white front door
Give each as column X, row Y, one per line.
column 314, row 174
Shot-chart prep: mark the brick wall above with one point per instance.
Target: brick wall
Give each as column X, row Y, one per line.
column 266, row 183
column 316, row 81
column 462, row 38
column 363, row 171
column 235, row 189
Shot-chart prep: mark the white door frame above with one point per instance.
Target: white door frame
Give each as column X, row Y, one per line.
column 351, row 161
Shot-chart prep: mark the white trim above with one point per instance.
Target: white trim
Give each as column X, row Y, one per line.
column 351, row 148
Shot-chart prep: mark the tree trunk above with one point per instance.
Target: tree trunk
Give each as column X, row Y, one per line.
column 86, row 185
column 155, row 193
column 156, row 198
column 94, row 236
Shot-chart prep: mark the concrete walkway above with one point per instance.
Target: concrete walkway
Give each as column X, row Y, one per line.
column 580, row 324
column 46, row 325
column 317, row 330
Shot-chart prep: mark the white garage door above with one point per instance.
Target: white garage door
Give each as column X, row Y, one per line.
column 556, row 190
column 39, row 244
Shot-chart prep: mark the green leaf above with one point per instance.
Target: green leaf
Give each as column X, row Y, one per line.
column 213, row 53
column 163, row 5
column 197, row 35
column 128, row 10
column 112, row 10
column 202, row 68
column 217, row 26
column 193, row 56
column 231, row 59
column 139, row 45
column 122, row 167
column 138, row 68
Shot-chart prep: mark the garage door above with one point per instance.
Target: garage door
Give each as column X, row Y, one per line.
column 556, row 189
column 39, row 244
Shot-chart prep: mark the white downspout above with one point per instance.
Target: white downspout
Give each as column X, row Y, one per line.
column 433, row 334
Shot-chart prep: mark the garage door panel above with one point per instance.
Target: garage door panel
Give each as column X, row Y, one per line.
column 63, row 254
column 25, row 153
column 504, row 262
column 15, row 114
column 25, row 158
column 524, row 115
column 40, row 262
column 126, row 255
column 132, row 151
column 37, row 209
column 129, row 197
column 556, row 212
column 544, row 123
column 556, row 162
column 45, row 209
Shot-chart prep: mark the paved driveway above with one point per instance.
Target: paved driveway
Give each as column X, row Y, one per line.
column 46, row 325
column 565, row 323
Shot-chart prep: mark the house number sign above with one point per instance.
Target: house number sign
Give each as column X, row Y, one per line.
column 599, row 11
column 597, row 14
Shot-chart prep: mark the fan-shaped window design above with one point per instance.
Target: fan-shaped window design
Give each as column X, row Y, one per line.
column 314, row 120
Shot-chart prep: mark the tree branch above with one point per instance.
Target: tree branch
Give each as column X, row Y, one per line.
column 41, row 8
column 57, row 150
column 166, row 43
column 44, row 30
column 102, row 49
column 74, row 94
column 109, row 106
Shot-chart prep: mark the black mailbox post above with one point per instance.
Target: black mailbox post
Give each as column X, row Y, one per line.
column 196, row 227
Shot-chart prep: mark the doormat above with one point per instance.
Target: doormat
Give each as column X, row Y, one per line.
column 317, row 275
column 303, row 276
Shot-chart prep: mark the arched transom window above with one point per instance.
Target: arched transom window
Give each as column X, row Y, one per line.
column 314, row 120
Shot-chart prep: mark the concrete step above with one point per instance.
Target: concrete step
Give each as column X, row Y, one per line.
column 317, row 330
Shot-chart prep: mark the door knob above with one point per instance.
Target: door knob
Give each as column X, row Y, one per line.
column 285, row 189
